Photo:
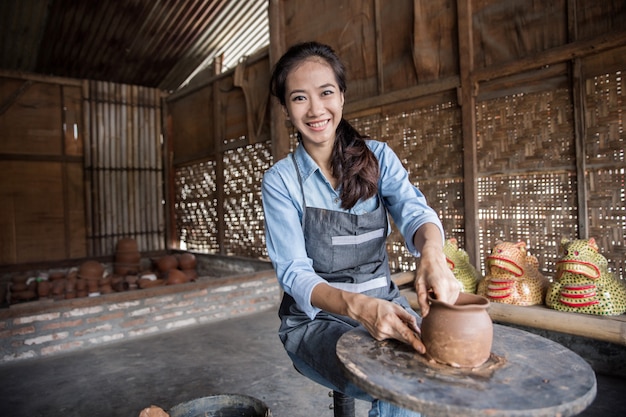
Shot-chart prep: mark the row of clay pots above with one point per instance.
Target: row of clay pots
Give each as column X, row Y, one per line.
column 91, row 277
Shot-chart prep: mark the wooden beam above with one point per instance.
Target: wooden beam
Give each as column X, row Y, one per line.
column 569, row 51
column 420, row 90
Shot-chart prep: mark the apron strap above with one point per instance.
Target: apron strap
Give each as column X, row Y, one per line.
column 293, row 158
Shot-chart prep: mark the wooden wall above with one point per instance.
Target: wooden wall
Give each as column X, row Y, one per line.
column 42, row 215
column 81, row 167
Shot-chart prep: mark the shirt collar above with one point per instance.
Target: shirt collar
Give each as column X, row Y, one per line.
column 306, row 164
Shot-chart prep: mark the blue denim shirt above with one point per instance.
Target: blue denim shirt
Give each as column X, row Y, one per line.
column 282, row 205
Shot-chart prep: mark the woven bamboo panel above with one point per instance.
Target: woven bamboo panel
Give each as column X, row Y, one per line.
column 428, row 142
column 527, row 173
column 243, row 210
column 196, row 207
column 606, row 166
column 539, row 209
column 525, row 132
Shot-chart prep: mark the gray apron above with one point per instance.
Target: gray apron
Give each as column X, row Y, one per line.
column 349, row 251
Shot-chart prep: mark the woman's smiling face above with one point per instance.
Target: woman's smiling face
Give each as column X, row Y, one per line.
column 314, row 102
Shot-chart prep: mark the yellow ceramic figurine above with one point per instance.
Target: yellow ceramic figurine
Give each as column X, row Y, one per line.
column 513, row 276
column 463, row 270
column 583, row 283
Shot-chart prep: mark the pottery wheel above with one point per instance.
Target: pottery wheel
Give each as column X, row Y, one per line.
column 526, row 375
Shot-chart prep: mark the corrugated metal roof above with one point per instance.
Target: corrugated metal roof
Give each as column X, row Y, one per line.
column 153, row 43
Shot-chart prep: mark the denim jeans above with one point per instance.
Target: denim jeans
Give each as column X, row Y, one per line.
column 379, row 408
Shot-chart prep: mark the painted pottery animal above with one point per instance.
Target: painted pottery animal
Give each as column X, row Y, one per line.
column 463, row 270
column 583, row 283
column 513, row 276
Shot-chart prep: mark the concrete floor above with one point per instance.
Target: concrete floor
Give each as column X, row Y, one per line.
column 235, row 356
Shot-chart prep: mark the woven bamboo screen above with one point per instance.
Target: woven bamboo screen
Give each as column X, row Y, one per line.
column 605, row 143
column 527, row 173
column 428, row 142
column 196, row 207
column 243, row 218
column 124, row 168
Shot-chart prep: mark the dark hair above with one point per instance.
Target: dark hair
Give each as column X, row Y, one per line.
column 352, row 162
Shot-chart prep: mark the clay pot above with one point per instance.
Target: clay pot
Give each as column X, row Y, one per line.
column 459, row 334
column 126, row 269
column 127, row 257
column 54, row 276
column 176, row 276
column 91, row 270
column 192, row 274
column 127, row 245
column 19, row 287
column 167, row 262
column 187, row 261
column 43, row 289
column 19, row 279
column 81, row 285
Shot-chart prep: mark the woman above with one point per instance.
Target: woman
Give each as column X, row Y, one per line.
column 326, row 222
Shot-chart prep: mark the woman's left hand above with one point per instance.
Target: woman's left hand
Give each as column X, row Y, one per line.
column 433, row 274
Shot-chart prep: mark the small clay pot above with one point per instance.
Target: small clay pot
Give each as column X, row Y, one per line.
column 127, row 257
column 81, row 285
column 167, row 262
column 19, row 279
column 127, row 245
column 91, row 270
column 125, row 269
column 187, row 261
column 43, row 289
column 176, row 276
column 192, row 274
column 56, row 276
column 19, row 287
column 459, row 334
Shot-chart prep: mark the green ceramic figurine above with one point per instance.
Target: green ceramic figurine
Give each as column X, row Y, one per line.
column 583, row 283
column 463, row 270
column 513, row 276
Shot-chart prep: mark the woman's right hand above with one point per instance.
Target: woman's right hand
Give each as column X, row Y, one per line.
column 382, row 319
column 386, row 320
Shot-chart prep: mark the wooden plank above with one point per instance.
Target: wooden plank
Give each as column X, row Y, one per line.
column 32, row 124
column 608, row 328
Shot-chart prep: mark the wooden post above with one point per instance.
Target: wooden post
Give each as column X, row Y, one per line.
column 278, row 131
column 467, row 100
column 578, row 98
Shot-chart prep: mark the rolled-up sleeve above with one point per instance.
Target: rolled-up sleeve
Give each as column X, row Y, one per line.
column 405, row 202
column 285, row 239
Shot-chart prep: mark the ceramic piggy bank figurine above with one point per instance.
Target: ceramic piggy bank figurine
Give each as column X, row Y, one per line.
column 583, row 283
column 463, row 270
column 513, row 276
